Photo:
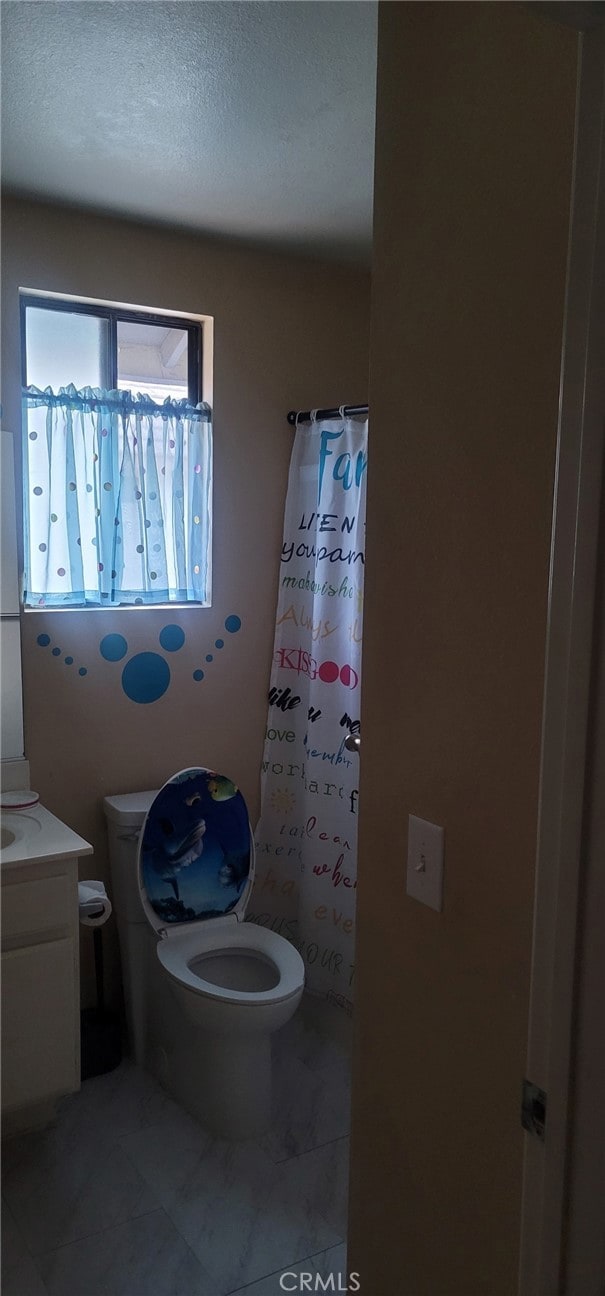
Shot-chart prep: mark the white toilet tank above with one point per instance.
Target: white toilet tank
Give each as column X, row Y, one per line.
column 125, row 815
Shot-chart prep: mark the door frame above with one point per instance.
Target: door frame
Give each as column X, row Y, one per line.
column 567, row 691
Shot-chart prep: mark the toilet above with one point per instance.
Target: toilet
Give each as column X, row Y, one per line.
column 204, row 990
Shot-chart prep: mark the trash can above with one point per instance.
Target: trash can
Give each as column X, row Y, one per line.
column 100, row 1029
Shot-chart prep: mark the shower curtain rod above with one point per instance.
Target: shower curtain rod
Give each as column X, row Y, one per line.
column 305, row 416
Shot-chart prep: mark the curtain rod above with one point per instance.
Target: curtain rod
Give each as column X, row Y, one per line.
column 124, row 401
column 307, row 416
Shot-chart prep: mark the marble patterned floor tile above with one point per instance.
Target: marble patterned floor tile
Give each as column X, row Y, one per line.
column 271, row 1285
column 20, row 1274
column 331, row 1265
column 119, row 1102
column 310, row 1041
column 144, row 1257
column 310, row 1108
column 114, row 1104
column 299, row 1039
column 322, row 1175
column 61, row 1190
column 320, row 1053
column 229, row 1201
column 333, row 1261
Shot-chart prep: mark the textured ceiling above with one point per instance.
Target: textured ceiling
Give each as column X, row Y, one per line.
column 252, row 120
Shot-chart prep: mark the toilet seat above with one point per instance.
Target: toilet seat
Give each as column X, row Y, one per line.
column 195, row 865
column 195, row 856
column 179, row 949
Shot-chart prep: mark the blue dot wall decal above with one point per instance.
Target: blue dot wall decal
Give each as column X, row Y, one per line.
column 172, row 637
column 232, row 625
column 113, row 647
column 43, row 640
column 145, row 677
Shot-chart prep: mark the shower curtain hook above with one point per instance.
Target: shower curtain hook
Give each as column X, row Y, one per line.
column 314, row 416
column 296, row 420
column 341, row 411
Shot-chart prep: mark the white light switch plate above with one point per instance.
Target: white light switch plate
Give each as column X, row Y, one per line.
column 425, row 862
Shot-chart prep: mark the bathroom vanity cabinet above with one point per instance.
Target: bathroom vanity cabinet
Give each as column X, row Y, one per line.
column 40, row 979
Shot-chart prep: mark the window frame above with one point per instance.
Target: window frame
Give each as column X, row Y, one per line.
column 200, row 330
column 116, row 315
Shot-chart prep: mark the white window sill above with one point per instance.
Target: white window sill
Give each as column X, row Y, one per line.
column 122, row 607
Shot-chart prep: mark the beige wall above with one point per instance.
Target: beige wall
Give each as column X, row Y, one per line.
column 473, row 171
column 288, row 333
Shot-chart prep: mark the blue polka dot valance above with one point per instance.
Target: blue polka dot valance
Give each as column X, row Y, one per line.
column 117, row 499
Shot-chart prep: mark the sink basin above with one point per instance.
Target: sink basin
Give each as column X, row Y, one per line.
column 17, row 826
column 32, row 835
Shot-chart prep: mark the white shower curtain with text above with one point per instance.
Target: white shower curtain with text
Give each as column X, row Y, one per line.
column 306, row 839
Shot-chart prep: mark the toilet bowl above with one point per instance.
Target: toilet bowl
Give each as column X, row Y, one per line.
column 241, row 978
column 218, row 986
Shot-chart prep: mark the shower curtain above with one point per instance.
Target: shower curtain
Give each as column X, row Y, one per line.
column 306, row 839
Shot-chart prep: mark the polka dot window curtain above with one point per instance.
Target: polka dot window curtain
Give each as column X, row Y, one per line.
column 117, row 499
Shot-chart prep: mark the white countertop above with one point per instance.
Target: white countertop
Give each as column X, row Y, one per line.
column 38, row 836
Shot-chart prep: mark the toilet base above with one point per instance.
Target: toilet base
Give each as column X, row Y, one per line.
column 224, row 1082
column 234, row 1098
column 222, row 1079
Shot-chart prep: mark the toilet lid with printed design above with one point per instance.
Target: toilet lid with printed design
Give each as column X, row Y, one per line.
column 196, row 852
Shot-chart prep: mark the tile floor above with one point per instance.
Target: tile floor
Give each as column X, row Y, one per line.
column 126, row 1196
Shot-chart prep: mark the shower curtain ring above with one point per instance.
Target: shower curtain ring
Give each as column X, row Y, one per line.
column 341, row 411
column 314, row 416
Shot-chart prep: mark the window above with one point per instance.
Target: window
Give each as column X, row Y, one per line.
column 117, row 457
column 73, row 343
